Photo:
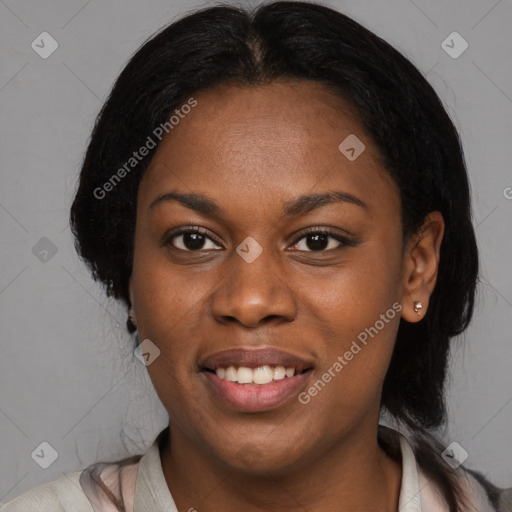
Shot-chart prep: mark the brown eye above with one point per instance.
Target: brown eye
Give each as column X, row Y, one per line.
column 193, row 239
column 318, row 240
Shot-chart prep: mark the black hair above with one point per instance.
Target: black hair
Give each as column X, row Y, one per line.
column 398, row 109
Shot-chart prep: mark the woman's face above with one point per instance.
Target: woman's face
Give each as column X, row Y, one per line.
column 266, row 166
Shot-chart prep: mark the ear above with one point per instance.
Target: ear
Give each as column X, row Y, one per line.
column 421, row 265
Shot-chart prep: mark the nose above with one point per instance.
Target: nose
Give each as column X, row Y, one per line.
column 253, row 293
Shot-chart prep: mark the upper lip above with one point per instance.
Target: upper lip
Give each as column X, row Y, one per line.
column 254, row 357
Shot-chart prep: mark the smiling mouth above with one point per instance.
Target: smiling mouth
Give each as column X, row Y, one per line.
column 259, row 375
column 254, row 379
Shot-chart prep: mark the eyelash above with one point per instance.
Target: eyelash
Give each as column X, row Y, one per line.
column 344, row 241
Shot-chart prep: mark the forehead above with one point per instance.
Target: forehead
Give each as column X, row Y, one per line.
column 251, row 140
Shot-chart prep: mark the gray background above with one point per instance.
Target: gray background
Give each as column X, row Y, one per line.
column 67, row 372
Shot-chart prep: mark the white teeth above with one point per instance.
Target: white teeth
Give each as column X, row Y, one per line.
column 245, row 375
column 279, row 373
column 260, row 375
column 231, row 374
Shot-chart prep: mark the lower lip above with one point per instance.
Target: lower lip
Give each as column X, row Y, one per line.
column 256, row 397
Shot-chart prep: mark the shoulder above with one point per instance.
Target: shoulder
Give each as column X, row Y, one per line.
column 477, row 497
column 61, row 495
column 104, row 486
column 499, row 497
column 425, row 474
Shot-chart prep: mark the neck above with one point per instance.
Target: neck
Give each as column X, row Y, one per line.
column 355, row 475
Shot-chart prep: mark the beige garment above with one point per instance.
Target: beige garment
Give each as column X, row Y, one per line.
column 137, row 484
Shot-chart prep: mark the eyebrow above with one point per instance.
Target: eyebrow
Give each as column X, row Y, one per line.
column 299, row 206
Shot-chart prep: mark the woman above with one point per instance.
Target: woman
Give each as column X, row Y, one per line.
column 281, row 201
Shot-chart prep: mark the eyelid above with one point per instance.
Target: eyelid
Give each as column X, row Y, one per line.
column 345, row 240
column 189, row 229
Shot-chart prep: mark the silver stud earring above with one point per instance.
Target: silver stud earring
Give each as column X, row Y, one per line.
column 418, row 306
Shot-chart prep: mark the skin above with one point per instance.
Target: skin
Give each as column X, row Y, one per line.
column 251, row 150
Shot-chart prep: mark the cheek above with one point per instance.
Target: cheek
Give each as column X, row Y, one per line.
column 354, row 358
column 168, row 298
column 355, row 315
column 168, row 314
column 169, row 311
column 351, row 298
